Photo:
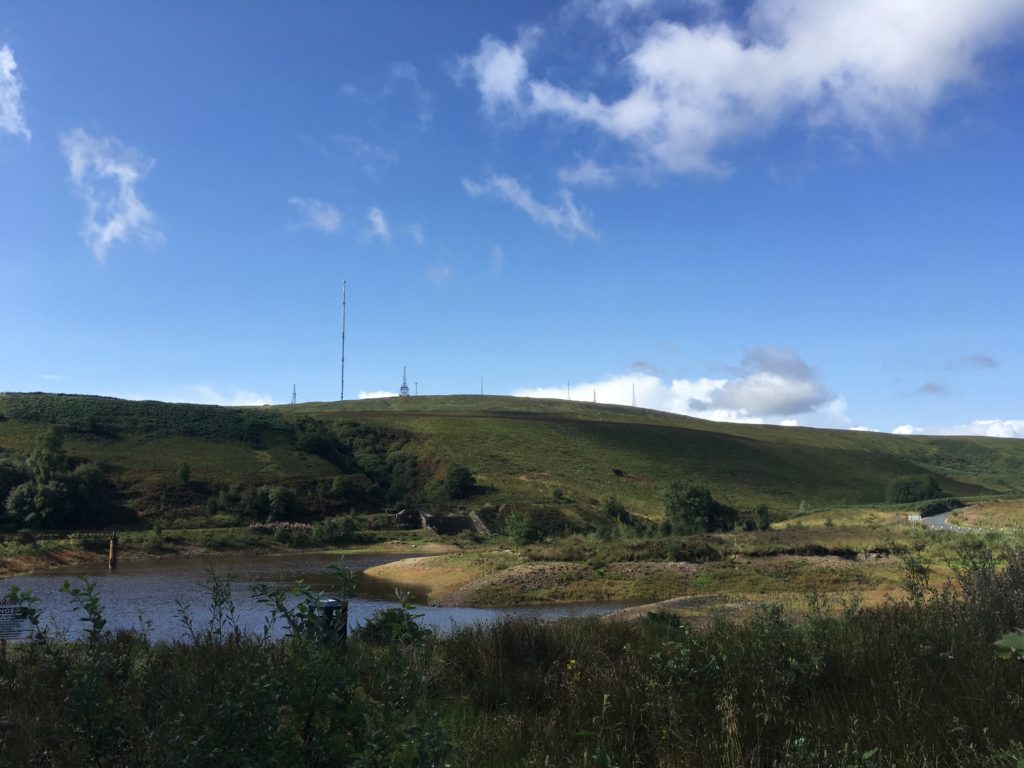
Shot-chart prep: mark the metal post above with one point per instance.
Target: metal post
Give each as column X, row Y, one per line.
column 112, row 554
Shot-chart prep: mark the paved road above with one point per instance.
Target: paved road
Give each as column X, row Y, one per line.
column 938, row 522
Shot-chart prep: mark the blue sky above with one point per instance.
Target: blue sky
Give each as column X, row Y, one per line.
column 783, row 211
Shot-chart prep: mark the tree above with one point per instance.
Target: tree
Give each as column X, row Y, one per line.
column 692, row 509
column 459, row 482
column 909, row 488
column 764, row 517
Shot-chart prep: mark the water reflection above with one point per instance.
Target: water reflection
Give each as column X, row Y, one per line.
column 151, row 591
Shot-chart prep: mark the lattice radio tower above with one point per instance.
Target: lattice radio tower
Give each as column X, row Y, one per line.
column 343, row 285
column 293, row 394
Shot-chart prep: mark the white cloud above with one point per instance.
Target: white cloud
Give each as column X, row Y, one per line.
column 416, row 231
column 440, row 274
column 771, row 383
column 206, row 395
column 566, row 219
column 789, row 423
column 105, row 173
column 907, row 429
column 376, row 393
column 977, row 428
column 992, row 428
column 497, row 259
column 378, row 224
column 498, row 69
column 870, row 65
column 317, row 214
column 12, row 119
column 586, row 174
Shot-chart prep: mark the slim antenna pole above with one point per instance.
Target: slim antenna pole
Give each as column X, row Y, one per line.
column 343, row 287
column 293, row 394
column 568, row 394
column 481, row 385
column 634, row 395
column 416, row 387
column 595, row 395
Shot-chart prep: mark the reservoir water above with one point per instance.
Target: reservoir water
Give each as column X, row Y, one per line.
column 153, row 591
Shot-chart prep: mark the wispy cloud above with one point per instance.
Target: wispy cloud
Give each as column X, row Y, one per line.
column 12, row 118
column 316, row 214
column 977, row 362
column 105, row 173
column 205, row 394
column 378, row 224
column 586, row 174
column 931, row 389
column 373, row 159
column 416, row 232
column 497, row 259
column 440, row 274
column 403, row 71
column 873, row 66
column 566, row 219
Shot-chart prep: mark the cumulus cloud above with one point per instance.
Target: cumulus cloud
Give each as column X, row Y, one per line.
column 316, row 214
column 376, row 393
column 976, row 428
column 772, row 385
column 499, row 70
column 873, row 66
column 12, row 119
column 378, row 224
column 105, row 173
column 566, row 219
column 773, row 381
column 907, row 429
column 586, row 174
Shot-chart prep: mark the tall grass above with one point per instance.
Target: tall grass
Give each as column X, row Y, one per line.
column 914, row 682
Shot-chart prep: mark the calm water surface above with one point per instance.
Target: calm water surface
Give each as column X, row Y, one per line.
column 153, row 589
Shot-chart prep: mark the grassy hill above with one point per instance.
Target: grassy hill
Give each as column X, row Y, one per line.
column 521, row 451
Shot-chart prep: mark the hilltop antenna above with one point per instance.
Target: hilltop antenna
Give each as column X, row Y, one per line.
column 634, row 395
column 568, row 394
column 293, row 394
column 416, row 388
column 481, row 385
column 343, row 286
column 595, row 395
column 404, row 391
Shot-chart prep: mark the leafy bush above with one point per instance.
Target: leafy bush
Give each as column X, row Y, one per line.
column 459, row 482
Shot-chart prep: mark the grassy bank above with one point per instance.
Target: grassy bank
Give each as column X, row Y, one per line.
column 914, row 682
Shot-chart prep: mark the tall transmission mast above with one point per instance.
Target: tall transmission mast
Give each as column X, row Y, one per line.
column 634, row 395
column 404, row 391
column 343, row 286
column 293, row 394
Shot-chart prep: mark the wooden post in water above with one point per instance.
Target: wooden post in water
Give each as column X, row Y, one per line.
column 112, row 556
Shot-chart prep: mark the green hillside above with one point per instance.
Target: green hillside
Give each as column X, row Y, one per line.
column 372, row 453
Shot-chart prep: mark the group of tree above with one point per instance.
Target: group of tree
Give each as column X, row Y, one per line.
column 46, row 489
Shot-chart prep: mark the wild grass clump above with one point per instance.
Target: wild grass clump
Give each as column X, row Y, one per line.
column 915, row 682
